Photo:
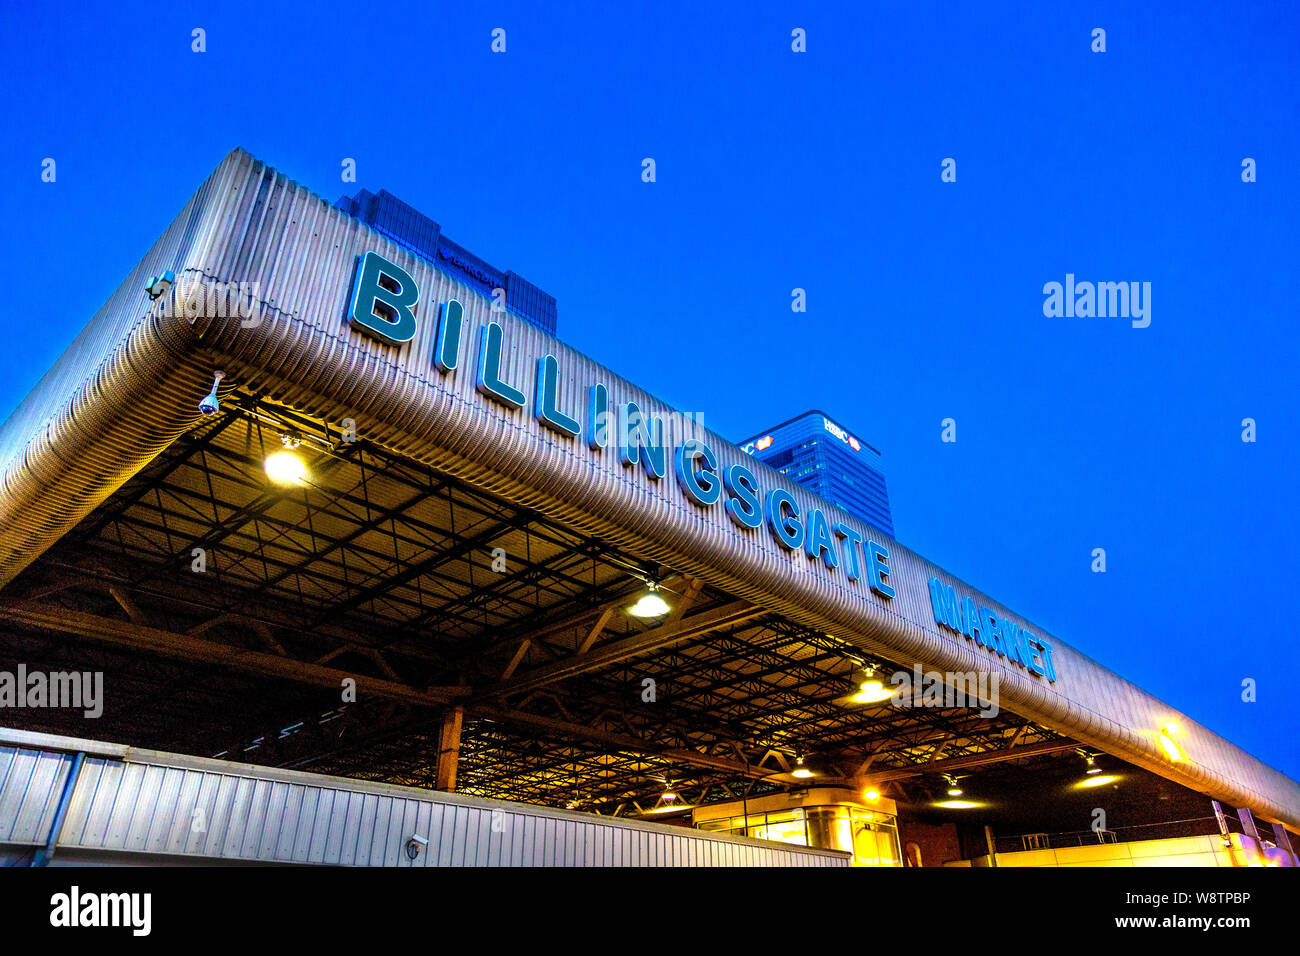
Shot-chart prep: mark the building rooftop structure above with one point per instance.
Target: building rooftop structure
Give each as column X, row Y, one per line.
column 391, row 217
column 465, row 551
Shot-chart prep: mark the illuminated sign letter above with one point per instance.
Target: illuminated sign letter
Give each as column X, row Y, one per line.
column 597, row 417
column 1047, row 660
column 1010, row 632
column 742, row 496
column 878, row 569
column 489, row 369
column 937, row 601
column 971, row 625
column 851, row 541
column 703, row 487
column 546, row 398
column 642, row 439
column 989, row 627
column 1031, row 661
column 818, row 540
column 447, row 351
column 382, row 300
column 783, row 518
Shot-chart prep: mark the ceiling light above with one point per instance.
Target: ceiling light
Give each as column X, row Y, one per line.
column 668, row 802
column 800, row 771
column 871, row 690
column 1100, row 780
column 285, row 468
column 872, row 794
column 958, row 804
column 650, row 604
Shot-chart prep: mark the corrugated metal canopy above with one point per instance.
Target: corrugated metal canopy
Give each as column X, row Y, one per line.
column 126, row 393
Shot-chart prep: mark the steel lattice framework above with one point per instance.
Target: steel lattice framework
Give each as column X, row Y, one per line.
column 227, row 611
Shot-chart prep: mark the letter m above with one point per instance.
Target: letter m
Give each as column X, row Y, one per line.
column 1112, row 299
column 939, row 601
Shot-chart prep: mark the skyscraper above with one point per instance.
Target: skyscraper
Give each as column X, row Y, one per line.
column 818, row 453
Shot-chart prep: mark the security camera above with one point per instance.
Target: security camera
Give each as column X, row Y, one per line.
column 413, row 845
column 210, row 406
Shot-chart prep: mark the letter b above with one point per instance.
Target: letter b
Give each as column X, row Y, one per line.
column 382, row 300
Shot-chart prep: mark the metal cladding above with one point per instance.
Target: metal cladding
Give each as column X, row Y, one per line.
column 134, row 378
column 264, row 815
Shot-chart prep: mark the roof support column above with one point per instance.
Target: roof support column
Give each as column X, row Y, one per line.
column 1281, row 839
column 1248, row 824
column 992, row 845
column 449, row 749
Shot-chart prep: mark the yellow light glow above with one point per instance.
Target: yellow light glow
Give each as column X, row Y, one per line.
column 285, row 468
column 872, row 794
column 1171, row 747
column 650, row 604
column 803, row 773
column 871, row 692
column 958, row 804
column 1100, row 780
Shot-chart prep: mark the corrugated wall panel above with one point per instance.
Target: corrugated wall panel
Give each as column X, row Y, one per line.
column 30, row 784
column 150, row 804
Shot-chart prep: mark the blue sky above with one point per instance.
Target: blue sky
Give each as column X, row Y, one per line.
column 779, row 170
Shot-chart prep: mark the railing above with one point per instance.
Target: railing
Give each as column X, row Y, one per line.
column 1196, row 826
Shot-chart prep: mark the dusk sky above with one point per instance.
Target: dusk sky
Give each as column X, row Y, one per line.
column 821, row 170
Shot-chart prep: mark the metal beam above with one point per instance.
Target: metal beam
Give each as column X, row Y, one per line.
column 620, row 741
column 613, row 653
column 185, row 647
column 975, row 760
